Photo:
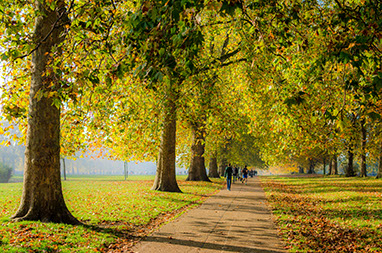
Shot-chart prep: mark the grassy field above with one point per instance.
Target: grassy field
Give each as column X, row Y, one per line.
column 116, row 213
column 327, row 214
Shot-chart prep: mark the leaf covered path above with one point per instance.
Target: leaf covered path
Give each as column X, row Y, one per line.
column 230, row 221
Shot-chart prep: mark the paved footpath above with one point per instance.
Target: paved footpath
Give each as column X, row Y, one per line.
column 230, row 221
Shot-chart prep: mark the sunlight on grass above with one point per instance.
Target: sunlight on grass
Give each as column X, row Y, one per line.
column 327, row 214
column 97, row 201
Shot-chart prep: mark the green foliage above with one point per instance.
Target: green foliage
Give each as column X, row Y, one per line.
column 331, row 214
column 5, row 173
column 111, row 208
column 165, row 38
column 243, row 151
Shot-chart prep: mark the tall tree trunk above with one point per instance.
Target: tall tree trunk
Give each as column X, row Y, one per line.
column 64, row 168
column 213, row 167
column 223, row 159
column 330, row 166
column 324, row 169
column 363, row 149
column 165, row 178
column 197, row 171
column 311, row 166
column 379, row 174
column 334, row 165
column 223, row 165
column 42, row 197
column 349, row 172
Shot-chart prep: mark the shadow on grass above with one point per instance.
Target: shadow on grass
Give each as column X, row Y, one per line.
column 127, row 234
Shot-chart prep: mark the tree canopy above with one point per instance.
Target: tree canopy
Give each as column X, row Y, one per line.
column 255, row 82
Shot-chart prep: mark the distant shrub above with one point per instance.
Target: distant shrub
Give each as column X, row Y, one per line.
column 5, row 173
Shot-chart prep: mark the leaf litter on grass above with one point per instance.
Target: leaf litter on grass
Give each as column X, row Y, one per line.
column 116, row 214
column 323, row 214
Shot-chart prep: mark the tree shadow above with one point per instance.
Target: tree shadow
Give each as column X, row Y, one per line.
column 207, row 245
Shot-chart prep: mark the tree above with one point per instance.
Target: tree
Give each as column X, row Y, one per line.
column 5, row 173
column 334, row 166
column 222, row 50
column 311, row 166
column 166, row 40
column 42, row 197
column 197, row 170
column 299, row 62
column 165, row 179
column 363, row 172
column 379, row 174
column 213, row 168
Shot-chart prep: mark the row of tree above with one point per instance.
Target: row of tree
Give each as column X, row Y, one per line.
column 244, row 81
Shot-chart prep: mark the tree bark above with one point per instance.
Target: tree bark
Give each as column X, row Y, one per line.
column 213, row 168
column 349, row 170
column 324, row 169
column 334, row 165
column 64, row 168
column 330, row 166
column 350, row 167
column 311, row 167
column 42, row 197
column 223, row 165
column 197, row 171
column 363, row 149
column 379, row 174
column 165, row 178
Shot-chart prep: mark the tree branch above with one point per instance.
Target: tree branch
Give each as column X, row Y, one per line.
column 54, row 26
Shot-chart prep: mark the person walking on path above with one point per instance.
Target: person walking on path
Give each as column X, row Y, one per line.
column 228, row 174
column 245, row 175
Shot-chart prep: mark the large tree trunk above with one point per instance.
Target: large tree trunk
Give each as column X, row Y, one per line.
column 165, row 178
column 349, row 172
column 330, row 166
column 197, row 171
column 311, row 167
column 223, row 165
column 379, row 174
column 334, row 166
column 363, row 149
column 324, row 168
column 42, row 197
column 213, row 168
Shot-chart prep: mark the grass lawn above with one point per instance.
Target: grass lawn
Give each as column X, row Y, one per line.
column 327, row 214
column 116, row 212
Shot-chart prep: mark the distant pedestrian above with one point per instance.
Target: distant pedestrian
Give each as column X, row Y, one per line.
column 245, row 175
column 228, row 174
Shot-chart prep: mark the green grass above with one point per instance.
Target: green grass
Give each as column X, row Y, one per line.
column 110, row 207
column 327, row 214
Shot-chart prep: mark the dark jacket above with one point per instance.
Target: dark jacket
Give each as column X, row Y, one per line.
column 228, row 172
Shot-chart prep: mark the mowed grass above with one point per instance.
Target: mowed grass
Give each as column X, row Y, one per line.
column 112, row 209
column 327, row 214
